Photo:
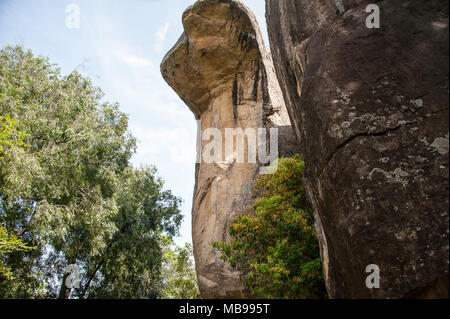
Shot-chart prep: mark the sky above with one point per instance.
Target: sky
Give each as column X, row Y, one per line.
column 120, row 44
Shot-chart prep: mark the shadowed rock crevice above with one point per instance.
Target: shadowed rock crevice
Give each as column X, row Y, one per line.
column 356, row 136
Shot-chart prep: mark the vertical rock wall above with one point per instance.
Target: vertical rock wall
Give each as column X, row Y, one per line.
column 370, row 112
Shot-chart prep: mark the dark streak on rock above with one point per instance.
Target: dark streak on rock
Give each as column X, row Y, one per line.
column 235, row 97
column 255, row 84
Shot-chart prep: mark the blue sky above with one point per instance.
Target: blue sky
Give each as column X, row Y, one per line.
column 119, row 44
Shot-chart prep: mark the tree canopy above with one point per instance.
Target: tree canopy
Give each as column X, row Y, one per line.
column 68, row 189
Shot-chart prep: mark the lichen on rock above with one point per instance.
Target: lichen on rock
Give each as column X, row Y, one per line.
column 370, row 111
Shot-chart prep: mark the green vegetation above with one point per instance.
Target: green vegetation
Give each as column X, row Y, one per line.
column 179, row 278
column 275, row 245
column 10, row 138
column 68, row 190
column 8, row 244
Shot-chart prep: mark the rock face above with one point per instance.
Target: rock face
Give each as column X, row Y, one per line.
column 370, row 111
column 221, row 70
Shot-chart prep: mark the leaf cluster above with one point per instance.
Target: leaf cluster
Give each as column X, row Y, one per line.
column 275, row 245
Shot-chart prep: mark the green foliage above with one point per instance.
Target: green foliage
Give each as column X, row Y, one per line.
column 275, row 245
column 130, row 266
column 8, row 244
column 67, row 187
column 10, row 136
column 178, row 274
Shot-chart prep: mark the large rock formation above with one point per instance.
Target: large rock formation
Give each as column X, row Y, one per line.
column 221, row 70
column 370, row 112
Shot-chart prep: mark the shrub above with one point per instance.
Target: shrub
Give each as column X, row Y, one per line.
column 275, row 245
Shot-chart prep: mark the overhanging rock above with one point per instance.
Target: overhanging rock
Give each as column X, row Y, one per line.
column 221, row 70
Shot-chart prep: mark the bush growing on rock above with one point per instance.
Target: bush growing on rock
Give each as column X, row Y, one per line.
column 275, row 245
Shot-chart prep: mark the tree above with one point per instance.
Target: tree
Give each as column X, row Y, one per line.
column 131, row 264
column 275, row 245
column 178, row 273
column 73, row 193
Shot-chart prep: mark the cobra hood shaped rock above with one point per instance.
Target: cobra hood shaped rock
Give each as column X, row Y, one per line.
column 222, row 71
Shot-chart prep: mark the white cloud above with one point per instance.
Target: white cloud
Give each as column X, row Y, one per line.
column 173, row 146
column 135, row 61
column 162, row 31
column 160, row 35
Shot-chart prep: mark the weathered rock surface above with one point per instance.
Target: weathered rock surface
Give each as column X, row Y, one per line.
column 221, row 70
column 370, row 112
